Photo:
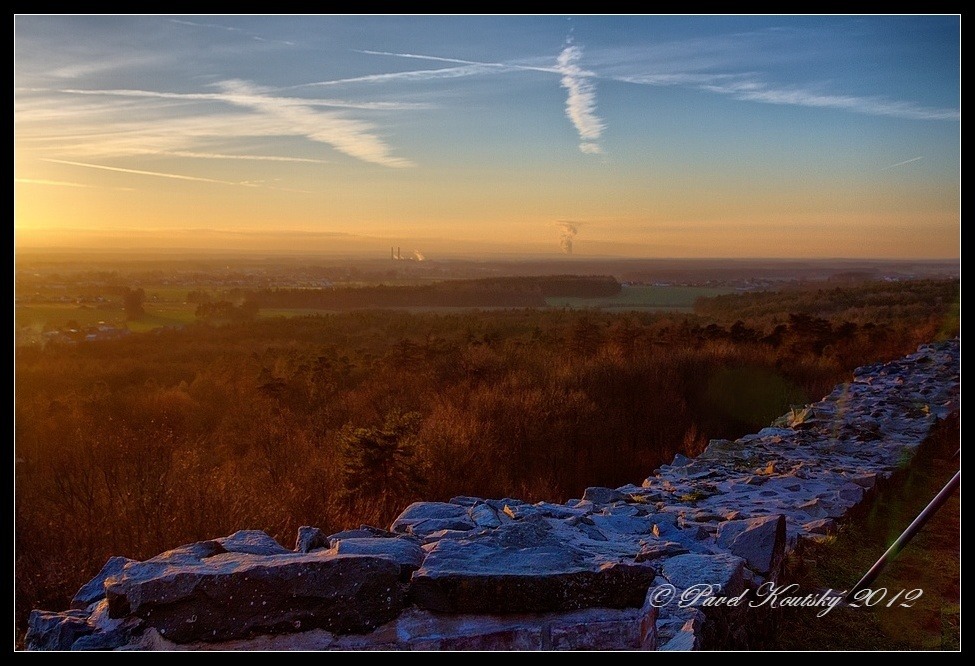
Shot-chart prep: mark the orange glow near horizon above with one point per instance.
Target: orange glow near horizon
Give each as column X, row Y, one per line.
column 123, row 142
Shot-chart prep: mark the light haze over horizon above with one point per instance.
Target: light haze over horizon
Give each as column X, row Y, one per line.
column 631, row 136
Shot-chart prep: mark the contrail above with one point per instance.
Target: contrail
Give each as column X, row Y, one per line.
column 206, row 25
column 229, row 99
column 139, row 172
column 42, row 181
column 459, row 61
column 913, row 159
column 423, row 57
column 412, row 75
column 223, row 156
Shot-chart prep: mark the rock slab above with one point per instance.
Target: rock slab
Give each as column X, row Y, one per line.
column 524, row 568
column 234, row 595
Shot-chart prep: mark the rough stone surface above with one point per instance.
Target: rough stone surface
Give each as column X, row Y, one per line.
column 56, row 631
column 99, row 641
column 309, row 539
column 724, row 571
column 611, row 586
column 363, row 532
column 422, row 518
column 414, row 629
column 686, row 640
column 252, row 542
column 760, row 541
column 108, row 633
column 524, row 569
column 406, row 553
column 94, row 590
column 598, row 495
column 231, row 595
column 484, row 516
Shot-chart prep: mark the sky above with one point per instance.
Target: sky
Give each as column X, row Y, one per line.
column 636, row 136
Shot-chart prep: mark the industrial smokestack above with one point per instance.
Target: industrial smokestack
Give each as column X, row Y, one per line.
column 398, row 255
column 392, row 252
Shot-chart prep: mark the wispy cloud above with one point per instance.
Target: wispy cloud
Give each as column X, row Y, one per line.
column 676, row 78
column 101, row 65
column 353, row 137
column 757, row 91
column 738, row 65
column 227, row 28
column 205, row 25
column 221, row 97
column 225, row 156
column 269, row 185
column 693, row 63
column 913, row 159
column 211, row 123
column 102, row 129
column 580, row 106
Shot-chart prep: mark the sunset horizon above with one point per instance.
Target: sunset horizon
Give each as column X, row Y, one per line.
column 649, row 136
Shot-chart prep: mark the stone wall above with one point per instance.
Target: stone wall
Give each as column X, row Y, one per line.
column 477, row 573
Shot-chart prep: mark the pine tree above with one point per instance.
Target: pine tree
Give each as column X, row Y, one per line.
column 379, row 462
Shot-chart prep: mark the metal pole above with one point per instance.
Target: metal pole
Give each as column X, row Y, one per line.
column 908, row 534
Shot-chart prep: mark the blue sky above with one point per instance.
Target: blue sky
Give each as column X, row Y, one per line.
column 649, row 135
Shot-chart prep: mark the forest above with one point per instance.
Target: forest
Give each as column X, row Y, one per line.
column 136, row 445
column 485, row 292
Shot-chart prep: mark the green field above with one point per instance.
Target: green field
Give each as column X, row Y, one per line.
column 290, row 312
column 165, row 292
column 647, row 299
column 164, row 314
column 644, row 298
column 56, row 315
column 173, row 311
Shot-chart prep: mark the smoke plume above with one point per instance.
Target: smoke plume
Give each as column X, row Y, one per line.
column 567, row 232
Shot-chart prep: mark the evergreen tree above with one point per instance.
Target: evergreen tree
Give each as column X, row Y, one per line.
column 379, row 462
